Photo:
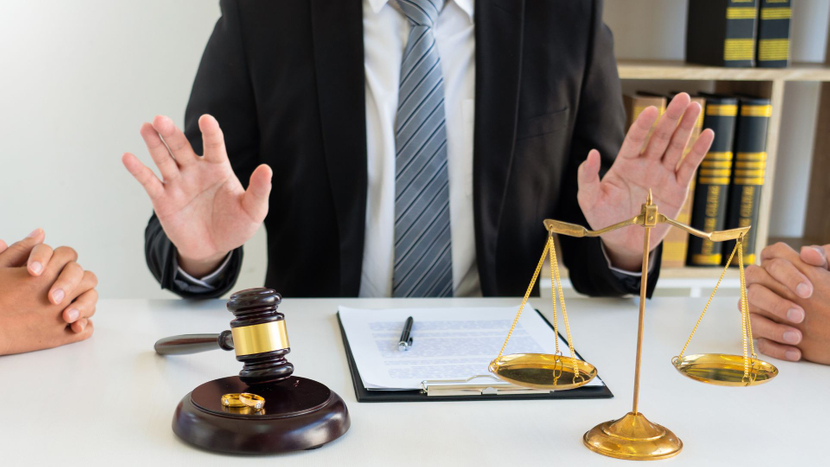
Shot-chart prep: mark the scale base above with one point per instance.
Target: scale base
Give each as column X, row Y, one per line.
column 299, row 414
column 633, row 437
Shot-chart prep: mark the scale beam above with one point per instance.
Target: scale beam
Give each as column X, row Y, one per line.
column 575, row 230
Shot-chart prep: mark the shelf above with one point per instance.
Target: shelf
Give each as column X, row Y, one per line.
column 667, row 69
column 675, row 273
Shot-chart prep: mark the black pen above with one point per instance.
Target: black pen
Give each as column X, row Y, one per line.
column 406, row 341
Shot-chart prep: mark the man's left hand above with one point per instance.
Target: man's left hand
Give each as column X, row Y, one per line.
column 658, row 166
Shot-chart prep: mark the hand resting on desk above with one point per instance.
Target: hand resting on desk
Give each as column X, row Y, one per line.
column 789, row 302
column 46, row 298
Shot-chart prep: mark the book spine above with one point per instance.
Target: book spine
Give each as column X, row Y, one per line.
column 739, row 45
column 774, row 33
column 676, row 242
column 722, row 32
column 636, row 103
column 748, row 174
column 709, row 206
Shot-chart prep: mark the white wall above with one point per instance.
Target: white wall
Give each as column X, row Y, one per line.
column 77, row 79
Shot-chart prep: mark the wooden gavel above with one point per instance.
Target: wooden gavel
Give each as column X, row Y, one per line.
column 257, row 335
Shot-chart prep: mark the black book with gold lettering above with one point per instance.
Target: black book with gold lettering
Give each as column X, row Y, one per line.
column 748, row 173
column 774, row 33
column 721, row 32
column 709, row 207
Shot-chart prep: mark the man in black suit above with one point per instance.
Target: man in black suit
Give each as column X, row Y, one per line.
column 316, row 100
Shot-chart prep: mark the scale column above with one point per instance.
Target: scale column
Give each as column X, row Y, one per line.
column 650, row 220
column 633, row 436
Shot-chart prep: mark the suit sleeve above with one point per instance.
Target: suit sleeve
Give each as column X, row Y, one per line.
column 223, row 89
column 600, row 124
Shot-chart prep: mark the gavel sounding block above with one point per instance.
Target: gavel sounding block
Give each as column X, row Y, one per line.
column 299, row 414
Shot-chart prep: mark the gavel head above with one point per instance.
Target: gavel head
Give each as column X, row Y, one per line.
column 259, row 336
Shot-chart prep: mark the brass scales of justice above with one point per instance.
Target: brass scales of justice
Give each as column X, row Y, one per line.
column 633, row 436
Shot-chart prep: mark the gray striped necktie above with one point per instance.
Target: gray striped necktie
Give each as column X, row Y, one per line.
column 423, row 247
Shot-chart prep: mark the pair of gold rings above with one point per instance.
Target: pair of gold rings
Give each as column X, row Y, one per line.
column 241, row 400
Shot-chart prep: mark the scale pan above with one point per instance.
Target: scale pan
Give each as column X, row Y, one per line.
column 543, row 371
column 724, row 370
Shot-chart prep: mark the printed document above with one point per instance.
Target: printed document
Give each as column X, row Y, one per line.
column 448, row 343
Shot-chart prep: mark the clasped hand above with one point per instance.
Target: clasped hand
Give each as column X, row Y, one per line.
column 46, row 297
column 789, row 302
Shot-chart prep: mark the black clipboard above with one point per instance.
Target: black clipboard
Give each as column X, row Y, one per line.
column 415, row 395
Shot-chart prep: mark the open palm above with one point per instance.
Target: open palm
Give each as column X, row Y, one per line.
column 624, row 188
column 201, row 204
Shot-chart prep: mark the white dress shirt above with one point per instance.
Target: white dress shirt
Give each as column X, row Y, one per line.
column 385, row 32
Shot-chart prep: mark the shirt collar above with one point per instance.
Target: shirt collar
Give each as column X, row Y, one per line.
column 465, row 5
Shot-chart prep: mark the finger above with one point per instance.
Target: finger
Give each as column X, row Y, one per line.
column 773, row 305
column 680, row 139
column 83, row 307
column 637, row 134
column 255, row 199
column 694, row 157
column 62, row 256
column 39, row 259
column 768, row 329
column 3, row 246
column 666, row 127
column 588, row 179
column 213, row 139
column 159, row 152
column 784, row 272
column 89, row 282
column 175, row 140
column 813, row 255
column 80, row 330
column 69, row 279
column 152, row 185
column 16, row 254
column 781, row 352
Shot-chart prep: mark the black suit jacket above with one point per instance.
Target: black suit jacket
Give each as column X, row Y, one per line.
column 285, row 79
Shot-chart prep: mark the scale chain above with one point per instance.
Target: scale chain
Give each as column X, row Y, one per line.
column 525, row 299
column 709, row 302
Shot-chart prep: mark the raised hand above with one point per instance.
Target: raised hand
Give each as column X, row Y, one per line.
column 621, row 192
column 201, row 204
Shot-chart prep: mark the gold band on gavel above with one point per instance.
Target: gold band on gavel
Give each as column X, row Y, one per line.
column 260, row 338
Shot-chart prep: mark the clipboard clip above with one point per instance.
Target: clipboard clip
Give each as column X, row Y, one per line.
column 479, row 385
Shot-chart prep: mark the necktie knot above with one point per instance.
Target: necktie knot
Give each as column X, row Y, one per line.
column 421, row 12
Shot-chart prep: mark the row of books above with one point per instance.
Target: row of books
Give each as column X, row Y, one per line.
column 726, row 191
column 739, row 33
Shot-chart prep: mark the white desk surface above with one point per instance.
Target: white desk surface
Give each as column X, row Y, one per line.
column 110, row 400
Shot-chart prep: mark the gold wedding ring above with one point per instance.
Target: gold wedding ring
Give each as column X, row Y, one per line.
column 232, row 400
column 252, row 400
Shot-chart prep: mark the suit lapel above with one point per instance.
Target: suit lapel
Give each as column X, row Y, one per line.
column 498, row 33
column 337, row 34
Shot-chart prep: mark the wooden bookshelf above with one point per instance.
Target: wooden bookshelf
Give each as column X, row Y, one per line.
column 677, row 70
column 766, row 82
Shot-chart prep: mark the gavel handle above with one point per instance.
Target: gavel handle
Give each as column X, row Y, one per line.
column 194, row 343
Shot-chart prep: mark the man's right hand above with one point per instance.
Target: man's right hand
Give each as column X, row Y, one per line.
column 202, row 206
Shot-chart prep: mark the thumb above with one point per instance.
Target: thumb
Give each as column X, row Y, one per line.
column 815, row 255
column 255, row 199
column 588, row 179
column 17, row 253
